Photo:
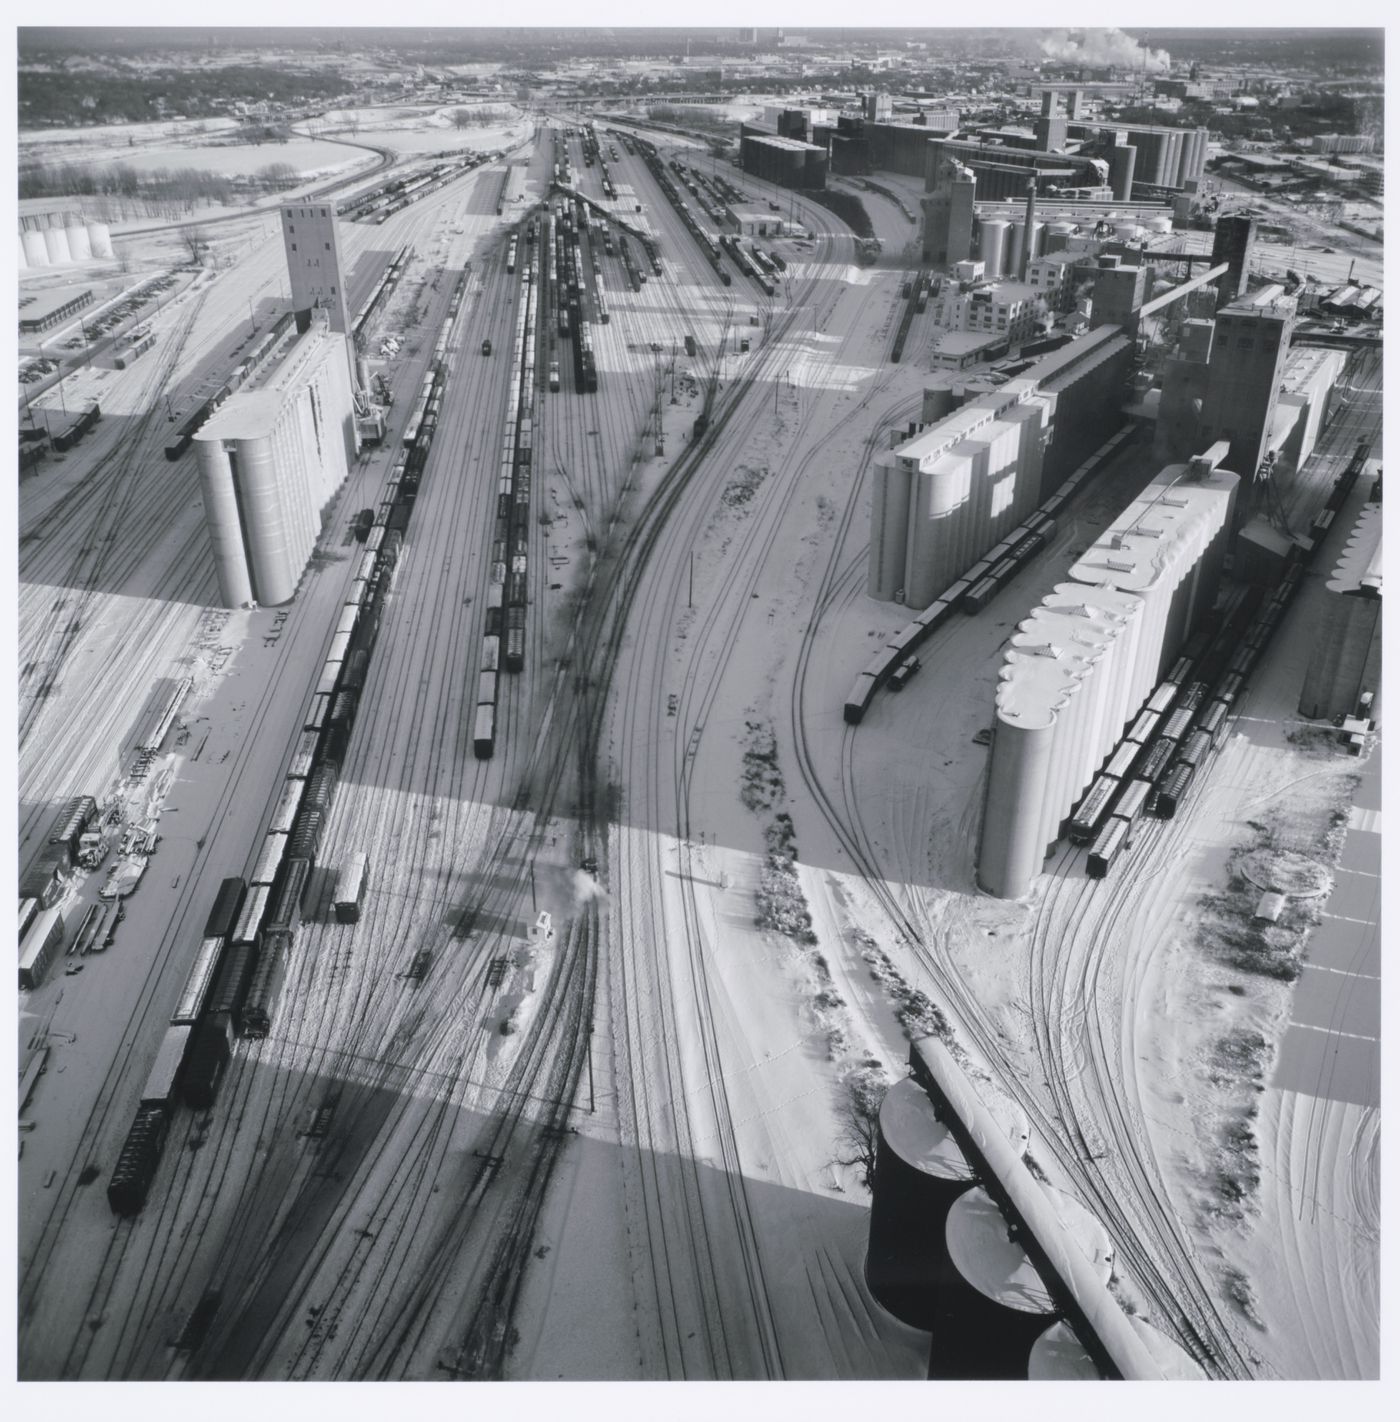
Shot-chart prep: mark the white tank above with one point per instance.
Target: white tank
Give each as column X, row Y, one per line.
column 1125, row 230
column 99, row 239
column 78, row 243
column 994, row 246
column 1160, row 223
column 35, row 251
column 1037, row 239
column 56, row 241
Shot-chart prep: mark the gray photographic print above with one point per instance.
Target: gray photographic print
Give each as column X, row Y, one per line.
column 698, row 703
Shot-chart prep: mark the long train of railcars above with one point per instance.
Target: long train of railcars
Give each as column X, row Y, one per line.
column 383, row 288
column 917, row 300
column 706, row 240
column 382, row 201
column 972, row 591
column 260, row 348
column 66, row 438
column 1170, row 743
column 235, row 982
column 507, row 594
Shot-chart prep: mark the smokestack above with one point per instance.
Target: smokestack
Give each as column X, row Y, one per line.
column 1028, row 245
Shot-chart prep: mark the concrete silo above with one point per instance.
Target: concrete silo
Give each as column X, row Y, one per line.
column 1015, row 247
column 36, row 252
column 993, row 1304
column 78, row 243
column 56, row 243
column 1122, row 161
column 99, row 239
column 994, row 246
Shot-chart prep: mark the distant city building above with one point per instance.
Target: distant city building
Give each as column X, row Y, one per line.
column 1082, row 665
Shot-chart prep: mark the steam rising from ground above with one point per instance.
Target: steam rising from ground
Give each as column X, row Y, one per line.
column 1101, row 49
column 586, row 887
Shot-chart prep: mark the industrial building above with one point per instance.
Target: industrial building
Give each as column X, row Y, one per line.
column 54, row 232
column 949, row 207
column 1082, row 665
column 1002, row 170
column 275, row 453
column 1012, row 309
column 270, row 459
column 944, row 496
column 786, row 161
column 45, row 310
column 1346, row 658
column 1163, row 157
column 1119, row 292
column 1250, row 347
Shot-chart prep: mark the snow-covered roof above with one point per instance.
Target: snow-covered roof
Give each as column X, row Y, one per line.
column 1358, row 570
column 917, row 1136
column 1170, row 523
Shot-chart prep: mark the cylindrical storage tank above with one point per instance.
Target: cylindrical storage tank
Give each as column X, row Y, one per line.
column 35, row 252
column 1016, row 243
column 1175, row 143
column 1122, row 163
column 1058, row 1356
column 1012, row 849
column 1160, row 223
column 99, row 239
column 78, row 243
column 222, row 520
column 992, row 1303
column 56, row 243
column 994, row 246
column 919, row 1173
column 270, row 557
column 1125, row 229
column 1037, row 240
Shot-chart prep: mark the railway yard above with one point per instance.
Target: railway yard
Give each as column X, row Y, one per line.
column 570, row 1097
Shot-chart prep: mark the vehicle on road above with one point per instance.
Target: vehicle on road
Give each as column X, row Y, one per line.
column 486, row 348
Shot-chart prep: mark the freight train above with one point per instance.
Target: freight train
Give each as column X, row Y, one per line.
column 237, row 977
column 980, row 583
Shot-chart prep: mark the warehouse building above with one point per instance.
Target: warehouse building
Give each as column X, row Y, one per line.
column 1085, row 661
column 1346, row 658
column 271, row 459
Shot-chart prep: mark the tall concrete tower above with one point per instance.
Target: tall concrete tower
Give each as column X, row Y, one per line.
column 312, row 243
column 1247, row 357
column 1052, row 127
column 1234, row 243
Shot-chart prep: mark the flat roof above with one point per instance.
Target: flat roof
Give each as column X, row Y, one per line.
column 38, row 304
column 773, row 140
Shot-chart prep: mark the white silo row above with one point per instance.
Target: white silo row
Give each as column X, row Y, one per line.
column 23, row 260
column 99, row 239
column 1015, row 245
column 35, row 250
column 78, row 244
column 56, row 243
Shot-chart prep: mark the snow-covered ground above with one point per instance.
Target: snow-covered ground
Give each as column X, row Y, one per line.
column 706, row 1216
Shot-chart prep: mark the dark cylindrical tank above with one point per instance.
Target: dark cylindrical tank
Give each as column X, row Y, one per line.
column 992, row 1303
column 919, row 1172
column 1058, row 1356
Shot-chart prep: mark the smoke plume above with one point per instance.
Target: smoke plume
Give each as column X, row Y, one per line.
column 1103, row 49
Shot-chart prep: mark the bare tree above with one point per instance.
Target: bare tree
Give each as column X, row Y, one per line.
column 196, row 241
column 859, row 1137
